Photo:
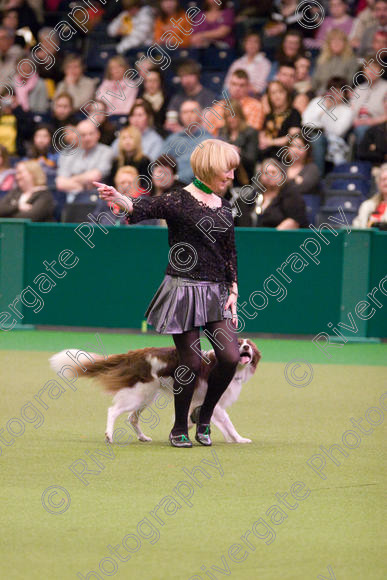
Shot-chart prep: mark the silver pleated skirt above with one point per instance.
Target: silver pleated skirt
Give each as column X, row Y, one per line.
column 180, row 304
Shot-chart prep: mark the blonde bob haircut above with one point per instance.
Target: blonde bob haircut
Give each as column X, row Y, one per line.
column 213, row 157
column 36, row 172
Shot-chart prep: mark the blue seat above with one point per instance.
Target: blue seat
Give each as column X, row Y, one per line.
column 213, row 81
column 326, row 212
column 355, row 168
column 60, row 200
column 217, row 59
column 348, row 182
column 313, row 203
column 119, row 121
column 98, row 56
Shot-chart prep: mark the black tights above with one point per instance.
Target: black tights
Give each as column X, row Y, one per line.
column 225, row 344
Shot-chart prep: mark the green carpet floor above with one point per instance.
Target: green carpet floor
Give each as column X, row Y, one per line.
column 126, row 510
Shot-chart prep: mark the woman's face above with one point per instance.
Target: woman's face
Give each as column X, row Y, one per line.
column 127, row 142
column 291, row 45
column 302, row 66
column 383, row 184
column 24, row 178
column 116, row 70
column 11, row 20
column 222, row 181
column 42, row 138
column 152, row 83
column 298, row 149
column 252, row 45
column 337, row 8
column 162, row 176
column 169, row 7
column 232, row 122
column 337, row 45
column 277, row 96
column 270, row 177
column 62, row 108
column 126, row 183
column 74, row 69
column 139, row 119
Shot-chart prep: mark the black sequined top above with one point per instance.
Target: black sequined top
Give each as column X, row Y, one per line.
column 201, row 238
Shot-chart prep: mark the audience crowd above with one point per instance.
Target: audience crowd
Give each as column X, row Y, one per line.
column 124, row 91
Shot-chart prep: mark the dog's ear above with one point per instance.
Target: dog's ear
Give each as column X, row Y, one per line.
column 256, row 353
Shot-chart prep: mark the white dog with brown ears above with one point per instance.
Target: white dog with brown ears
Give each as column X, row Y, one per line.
column 136, row 377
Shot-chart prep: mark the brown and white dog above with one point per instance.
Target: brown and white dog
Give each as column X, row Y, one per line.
column 136, row 377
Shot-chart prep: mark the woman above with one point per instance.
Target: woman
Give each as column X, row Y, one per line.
column 155, row 94
column 130, row 152
column 245, row 138
column 141, row 117
column 373, row 211
column 114, row 83
column 167, row 9
column 303, row 82
column 302, row 176
column 291, row 47
column 7, row 174
column 215, row 28
column 274, row 208
column 41, row 150
column 277, row 124
column 193, row 292
column 30, row 89
column 336, row 59
column 75, row 83
column 338, row 18
column 31, row 200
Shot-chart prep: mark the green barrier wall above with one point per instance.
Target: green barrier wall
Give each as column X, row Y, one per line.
column 113, row 282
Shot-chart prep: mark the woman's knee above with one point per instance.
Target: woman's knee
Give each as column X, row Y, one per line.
column 193, row 363
column 229, row 359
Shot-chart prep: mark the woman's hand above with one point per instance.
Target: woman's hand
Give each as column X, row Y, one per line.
column 109, row 194
column 231, row 301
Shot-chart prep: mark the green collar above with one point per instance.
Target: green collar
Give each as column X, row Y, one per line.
column 200, row 185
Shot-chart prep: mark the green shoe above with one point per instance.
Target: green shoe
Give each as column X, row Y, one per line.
column 203, row 434
column 179, row 440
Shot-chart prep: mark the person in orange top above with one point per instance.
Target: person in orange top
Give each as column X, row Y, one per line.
column 168, row 9
column 239, row 90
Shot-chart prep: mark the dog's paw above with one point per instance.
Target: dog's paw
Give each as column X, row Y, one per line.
column 144, row 438
column 243, row 440
column 108, row 438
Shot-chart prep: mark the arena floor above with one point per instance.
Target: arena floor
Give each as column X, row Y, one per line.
column 139, row 512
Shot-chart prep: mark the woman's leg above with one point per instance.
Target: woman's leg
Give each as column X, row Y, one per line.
column 225, row 345
column 191, row 359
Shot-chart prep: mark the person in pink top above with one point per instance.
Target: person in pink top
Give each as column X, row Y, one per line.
column 215, row 28
column 119, row 95
column 338, row 18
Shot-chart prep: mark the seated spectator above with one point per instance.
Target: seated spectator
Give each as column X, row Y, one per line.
column 239, row 91
column 62, row 114
column 380, row 23
column 250, row 9
column 127, row 182
column 254, row 63
column 281, row 120
column 284, row 16
column 30, row 90
column 92, row 161
column 75, row 83
column 373, row 146
column 10, row 53
column 101, row 120
column 363, row 20
column 338, row 18
column 336, row 59
column 238, row 133
column 155, row 94
column 26, row 15
column 373, row 211
column 167, row 9
column 379, row 42
column 10, row 19
column 216, row 27
column 114, row 83
column 181, row 145
column 41, row 150
column 134, row 26
column 287, row 76
column 191, row 88
column 49, row 62
column 368, row 108
column 274, row 208
column 8, row 125
column 7, row 173
column 291, row 47
column 130, row 152
column 31, row 200
column 331, row 145
column 303, row 82
column 141, row 117
column 302, row 176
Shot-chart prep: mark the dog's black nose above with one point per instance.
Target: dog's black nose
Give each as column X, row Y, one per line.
column 246, row 347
